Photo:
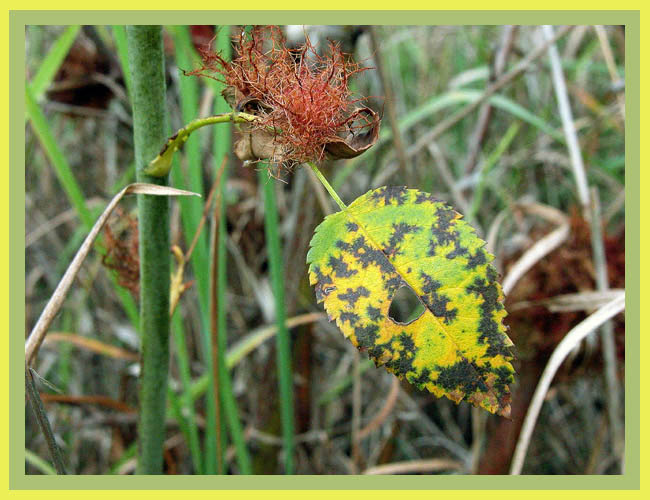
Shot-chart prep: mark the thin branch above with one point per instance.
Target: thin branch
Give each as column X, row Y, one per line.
column 485, row 113
column 389, row 99
column 92, row 345
column 328, row 186
column 385, row 411
column 324, row 203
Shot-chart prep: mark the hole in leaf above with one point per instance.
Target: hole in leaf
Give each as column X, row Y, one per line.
column 405, row 307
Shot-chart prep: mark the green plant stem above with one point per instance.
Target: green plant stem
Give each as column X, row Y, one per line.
column 283, row 345
column 161, row 163
column 146, row 63
column 327, row 185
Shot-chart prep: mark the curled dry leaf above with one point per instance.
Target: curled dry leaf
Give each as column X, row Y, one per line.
column 355, row 142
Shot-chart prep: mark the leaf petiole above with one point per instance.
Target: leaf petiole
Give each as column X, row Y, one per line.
column 327, row 185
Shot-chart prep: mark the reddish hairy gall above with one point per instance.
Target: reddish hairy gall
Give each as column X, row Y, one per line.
column 305, row 107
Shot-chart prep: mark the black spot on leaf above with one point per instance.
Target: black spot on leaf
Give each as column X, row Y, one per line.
column 366, row 335
column 349, row 317
column 373, row 313
column 436, row 303
column 394, row 283
column 458, row 250
column 340, row 268
column 366, row 254
column 488, row 327
column 462, row 375
column 478, row 259
column 391, row 194
column 422, row 197
column 400, row 230
column 442, row 231
column 422, row 379
column 351, row 296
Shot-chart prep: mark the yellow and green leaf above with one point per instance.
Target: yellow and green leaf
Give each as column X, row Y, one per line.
column 395, row 237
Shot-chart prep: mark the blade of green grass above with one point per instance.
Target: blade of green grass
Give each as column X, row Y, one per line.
column 52, row 62
column 185, row 401
column 192, row 212
column 36, row 405
column 119, row 35
column 226, row 396
column 222, row 148
column 283, row 344
column 38, row 463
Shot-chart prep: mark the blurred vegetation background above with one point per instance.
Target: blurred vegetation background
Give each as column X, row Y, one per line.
column 507, row 166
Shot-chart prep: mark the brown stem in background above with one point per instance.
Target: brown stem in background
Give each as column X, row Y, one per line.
column 389, row 99
column 98, row 400
column 485, row 113
column 385, row 411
